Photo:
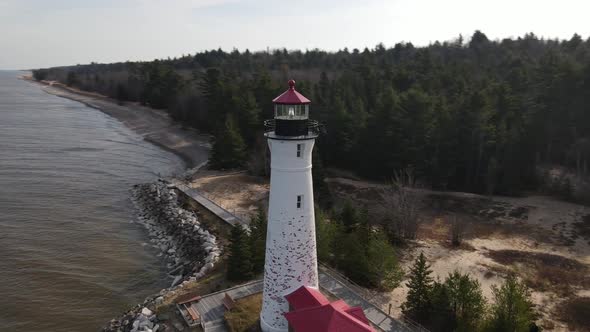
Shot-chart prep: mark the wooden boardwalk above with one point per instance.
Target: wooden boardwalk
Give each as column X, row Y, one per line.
column 217, row 210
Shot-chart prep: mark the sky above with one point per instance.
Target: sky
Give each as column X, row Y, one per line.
column 43, row 33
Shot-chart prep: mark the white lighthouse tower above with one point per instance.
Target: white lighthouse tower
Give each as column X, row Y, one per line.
column 291, row 256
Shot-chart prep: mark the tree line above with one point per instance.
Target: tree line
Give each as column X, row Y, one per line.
column 476, row 116
column 457, row 303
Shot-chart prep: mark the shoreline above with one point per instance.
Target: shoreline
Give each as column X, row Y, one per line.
column 190, row 251
column 155, row 126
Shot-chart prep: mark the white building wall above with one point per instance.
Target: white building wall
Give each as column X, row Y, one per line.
column 291, row 256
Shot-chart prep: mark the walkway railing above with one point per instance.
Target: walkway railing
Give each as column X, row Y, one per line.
column 368, row 296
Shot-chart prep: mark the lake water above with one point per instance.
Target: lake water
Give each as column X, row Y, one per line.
column 70, row 257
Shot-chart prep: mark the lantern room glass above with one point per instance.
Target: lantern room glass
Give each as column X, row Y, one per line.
column 291, row 112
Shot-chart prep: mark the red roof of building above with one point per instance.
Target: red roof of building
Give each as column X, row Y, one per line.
column 358, row 313
column 314, row 313
column 291, row 96
column 306, row 297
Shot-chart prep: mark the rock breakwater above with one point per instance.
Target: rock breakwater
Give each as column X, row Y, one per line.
column 189, row 250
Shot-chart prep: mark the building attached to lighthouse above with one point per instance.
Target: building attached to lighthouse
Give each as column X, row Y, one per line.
column 291, row 255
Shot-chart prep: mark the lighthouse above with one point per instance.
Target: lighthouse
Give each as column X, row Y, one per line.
column 291, row 255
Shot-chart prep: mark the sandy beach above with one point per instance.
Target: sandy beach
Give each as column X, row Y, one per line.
column 155, row 126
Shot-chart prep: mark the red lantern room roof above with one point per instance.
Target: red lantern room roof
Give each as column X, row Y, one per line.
column 291, row 96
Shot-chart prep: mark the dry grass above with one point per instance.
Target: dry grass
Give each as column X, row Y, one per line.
column 545, row 271
column 245, row 316
column 576, row 312
column 583, row 227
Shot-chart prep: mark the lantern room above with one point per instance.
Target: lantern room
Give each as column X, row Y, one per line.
column 291, row 115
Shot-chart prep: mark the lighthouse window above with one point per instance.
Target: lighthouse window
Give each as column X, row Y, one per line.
column 299, row 201
column 291, row 112
column 299, row 150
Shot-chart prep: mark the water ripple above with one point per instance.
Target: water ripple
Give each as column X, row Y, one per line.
column 70, row 258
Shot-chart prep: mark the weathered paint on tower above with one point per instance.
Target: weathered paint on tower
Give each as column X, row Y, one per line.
column 291, row 256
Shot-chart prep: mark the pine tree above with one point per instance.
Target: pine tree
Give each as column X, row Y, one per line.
column 326, row 234
column 512, row 310
column 258, row 227
column 351, row 258
column 248, row 117
column 418, row 300
column 239, row 265
column 349, row 216
column 213, row 90
column 264, row 92
column 383, row 269
column 321, row 190
column 466, row 302
column 229, row 150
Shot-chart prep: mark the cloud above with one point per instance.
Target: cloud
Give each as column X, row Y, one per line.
column 183, row 4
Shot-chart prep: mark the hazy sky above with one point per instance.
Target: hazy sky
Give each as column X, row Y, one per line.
column 41, row 33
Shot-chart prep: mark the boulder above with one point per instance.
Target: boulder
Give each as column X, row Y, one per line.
column 176, row 280
column 144, row 324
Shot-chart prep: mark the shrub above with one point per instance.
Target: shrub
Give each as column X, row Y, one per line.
column 512, row 310
column 418, row 300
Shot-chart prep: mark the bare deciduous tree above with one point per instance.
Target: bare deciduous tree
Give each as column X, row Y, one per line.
column 456, row 230
column 400, row 207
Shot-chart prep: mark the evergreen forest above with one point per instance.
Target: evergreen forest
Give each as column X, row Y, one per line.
column 471, row 114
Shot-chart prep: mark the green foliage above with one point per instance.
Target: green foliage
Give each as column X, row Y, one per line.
column 161, row 85
column 248, row 116
column 363, row 254
column 457, row 304
column 214, row 91
column 72, row 79
column 122, row 94
column 258, row 227
column 420, row 284
column 229, row 149
column 349, row 216
column 465, row 302
column 351, row 257
column 40, row 74
column 473, row 116
column 383, row 271
column 239, row 265
column 326, row 233
column 321, row 190
column 513, row 310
